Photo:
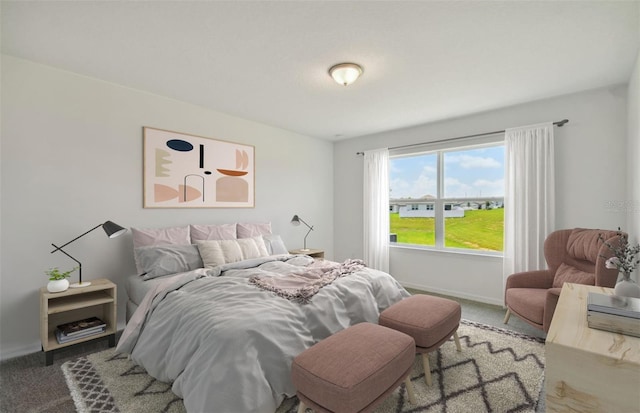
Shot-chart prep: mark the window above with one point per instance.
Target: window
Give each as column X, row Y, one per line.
column 460, row 191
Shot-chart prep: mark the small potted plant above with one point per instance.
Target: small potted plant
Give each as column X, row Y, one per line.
column 58, row 280
column 624, row 260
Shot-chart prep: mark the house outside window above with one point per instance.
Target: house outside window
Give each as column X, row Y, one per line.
column 456, row 196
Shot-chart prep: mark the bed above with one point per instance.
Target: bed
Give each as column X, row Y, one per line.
column 137, row 287
column 225, row 337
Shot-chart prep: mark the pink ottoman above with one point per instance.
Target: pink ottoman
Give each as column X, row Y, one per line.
column 429, row 320
column 354, row 369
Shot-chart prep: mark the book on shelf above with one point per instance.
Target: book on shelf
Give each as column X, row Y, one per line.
column 63, row 338
column 85, row 332
column 79, row 327
column 614, row 323
column 614, row 305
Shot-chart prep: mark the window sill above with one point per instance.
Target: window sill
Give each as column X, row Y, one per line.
column 456, row 251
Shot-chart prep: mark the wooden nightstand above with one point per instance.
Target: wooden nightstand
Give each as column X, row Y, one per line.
column 317, row 254
column 96, row 300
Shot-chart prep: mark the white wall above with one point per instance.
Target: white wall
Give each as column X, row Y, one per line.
column 72, row 158
column 632, row 206
column 590, row 178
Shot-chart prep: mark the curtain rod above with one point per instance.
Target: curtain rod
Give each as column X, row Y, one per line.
column 559, row 124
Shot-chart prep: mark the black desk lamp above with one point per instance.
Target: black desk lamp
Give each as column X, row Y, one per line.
column 112, row 229
column 296, row 220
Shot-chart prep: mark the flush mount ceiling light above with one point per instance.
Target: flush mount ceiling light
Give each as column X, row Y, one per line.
column 345, row 73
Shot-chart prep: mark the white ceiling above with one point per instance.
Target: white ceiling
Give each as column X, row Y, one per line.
column 267, row 61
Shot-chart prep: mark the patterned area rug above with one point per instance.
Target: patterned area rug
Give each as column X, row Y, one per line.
column 497, row 371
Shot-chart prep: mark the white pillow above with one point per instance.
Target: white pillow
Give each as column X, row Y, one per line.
column 275, row 245
column 207, row 232
column 250, row 230
column 219, row 252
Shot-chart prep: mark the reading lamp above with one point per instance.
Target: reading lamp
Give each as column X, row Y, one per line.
column 112, row 229
column 296, row 220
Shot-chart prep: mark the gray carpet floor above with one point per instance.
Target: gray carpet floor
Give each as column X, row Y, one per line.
column 27, row 385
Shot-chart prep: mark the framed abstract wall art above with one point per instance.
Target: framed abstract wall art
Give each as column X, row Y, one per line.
column 187, row 171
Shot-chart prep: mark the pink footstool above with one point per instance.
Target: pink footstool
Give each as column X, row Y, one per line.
column 354, row 369
column 429, row 320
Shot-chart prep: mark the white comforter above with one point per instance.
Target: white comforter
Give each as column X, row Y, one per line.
column 227, row 346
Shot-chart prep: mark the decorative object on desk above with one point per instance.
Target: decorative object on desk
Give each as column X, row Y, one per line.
column 614, row 313
column 112, row 230
column 296, row 220
column 626, row 287
column 615, row 305
column 58, row 280
column 625, row 261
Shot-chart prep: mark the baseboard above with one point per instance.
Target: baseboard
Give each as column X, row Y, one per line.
column 33, row 348
column 451, row 293
column 20, row 351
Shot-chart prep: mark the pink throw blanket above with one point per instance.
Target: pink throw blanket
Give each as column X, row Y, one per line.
column 301, row 287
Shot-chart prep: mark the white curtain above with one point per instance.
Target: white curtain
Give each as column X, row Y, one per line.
column 529, row 213
column 376, row 209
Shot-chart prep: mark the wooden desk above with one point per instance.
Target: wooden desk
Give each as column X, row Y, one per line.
column 589, row 370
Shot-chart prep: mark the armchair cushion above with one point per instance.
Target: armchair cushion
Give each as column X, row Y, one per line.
column 528, row 303
column 569, row 274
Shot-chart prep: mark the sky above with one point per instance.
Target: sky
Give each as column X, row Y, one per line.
column 469, row 173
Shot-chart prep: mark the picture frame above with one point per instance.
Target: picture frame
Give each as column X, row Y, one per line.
column 189, row 171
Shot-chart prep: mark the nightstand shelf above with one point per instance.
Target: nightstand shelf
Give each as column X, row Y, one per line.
column 71, row 302
column 314, row 253
column 96, row 300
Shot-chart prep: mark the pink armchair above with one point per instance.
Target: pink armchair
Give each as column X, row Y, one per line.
column 572, row 255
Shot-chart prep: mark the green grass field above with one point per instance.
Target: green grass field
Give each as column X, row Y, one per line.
column 479, row 230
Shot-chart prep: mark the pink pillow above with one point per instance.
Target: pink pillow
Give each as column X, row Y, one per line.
column 250, row 230
column 212, row 232
column 147, row 237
